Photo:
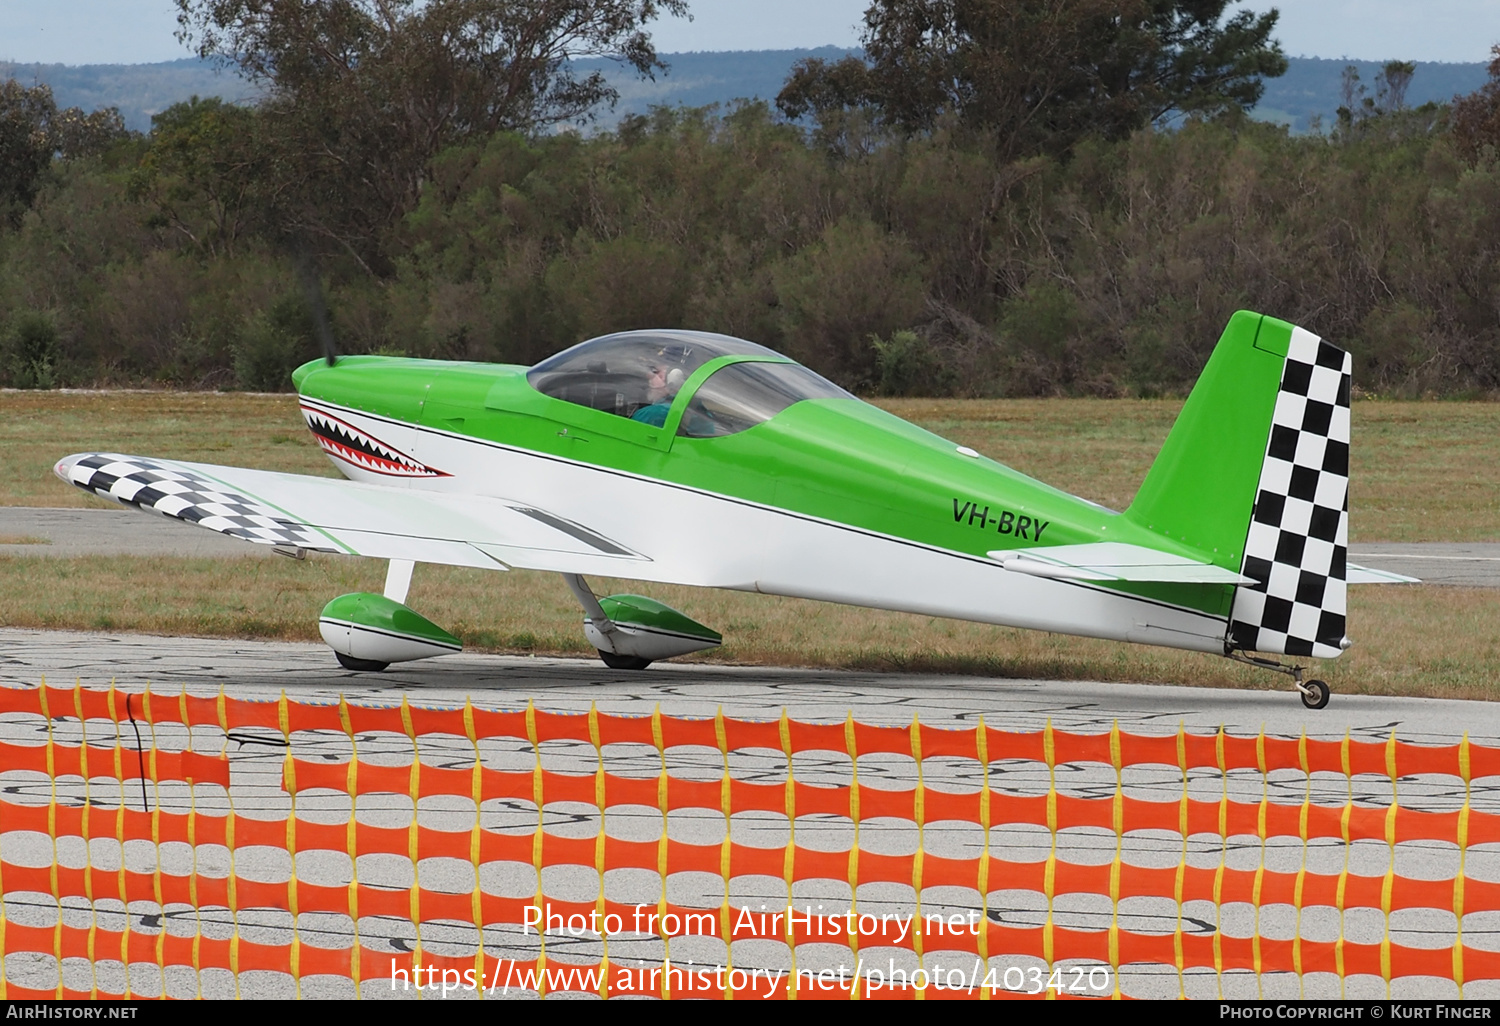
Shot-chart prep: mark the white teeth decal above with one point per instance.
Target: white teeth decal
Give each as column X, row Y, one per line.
column 343, row 441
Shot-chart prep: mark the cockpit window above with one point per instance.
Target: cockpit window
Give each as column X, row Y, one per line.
column 634, row 374
column 743, row 395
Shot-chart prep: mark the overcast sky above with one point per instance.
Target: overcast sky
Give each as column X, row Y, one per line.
column 141, row 31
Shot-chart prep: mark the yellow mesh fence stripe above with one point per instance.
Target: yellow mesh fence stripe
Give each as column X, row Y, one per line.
column 1465, row 771
column 726, row 849
column 156, row 893
column 283, row 718
column 1181, row 879
column 662, row 847
column 476, row 896
column 114, row 714
column 851, row 746
column 1223, row 857
column 1344, row 818
column 52, row 839
column 601, row 800
column 182, row 708
column 1302, row 815
column 1260, row 870
column 413, row 833
column 536, row 847
column 1388, row 885
column 1049, row 884
column 919, row 813
column 982, row 749
column 351, row 843
column 86, row 830
column 1117, row 821
column 789, row 859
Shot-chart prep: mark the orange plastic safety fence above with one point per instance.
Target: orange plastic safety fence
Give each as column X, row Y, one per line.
column 1119, row 813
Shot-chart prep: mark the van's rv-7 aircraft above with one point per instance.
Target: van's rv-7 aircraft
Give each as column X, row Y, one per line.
column 692, row 458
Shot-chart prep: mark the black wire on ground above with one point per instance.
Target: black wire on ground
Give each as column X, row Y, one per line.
column 140, row 754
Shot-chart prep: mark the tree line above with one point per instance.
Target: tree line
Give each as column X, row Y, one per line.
column 1002, row 197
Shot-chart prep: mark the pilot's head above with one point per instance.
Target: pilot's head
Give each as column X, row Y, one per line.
column 663, row 381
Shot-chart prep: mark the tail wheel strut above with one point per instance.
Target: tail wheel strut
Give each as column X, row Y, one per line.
column 1314, row 693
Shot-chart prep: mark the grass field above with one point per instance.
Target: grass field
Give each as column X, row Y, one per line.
column 1421, row 472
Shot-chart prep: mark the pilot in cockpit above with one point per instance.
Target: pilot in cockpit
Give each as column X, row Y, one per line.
column 662, row 384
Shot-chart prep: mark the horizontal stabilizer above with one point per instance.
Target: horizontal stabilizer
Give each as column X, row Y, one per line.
column 1356, row 574
column 1114, row 561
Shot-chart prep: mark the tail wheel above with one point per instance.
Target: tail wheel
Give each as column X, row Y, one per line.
column 623, row 662
column 360, row 665
column 1315, row 694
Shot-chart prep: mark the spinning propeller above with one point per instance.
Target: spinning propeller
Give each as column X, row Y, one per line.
column 312, row 286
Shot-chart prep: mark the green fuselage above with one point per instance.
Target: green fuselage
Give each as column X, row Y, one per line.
column 837, row 460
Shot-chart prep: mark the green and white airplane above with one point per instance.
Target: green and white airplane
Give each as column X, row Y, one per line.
column 699, row 459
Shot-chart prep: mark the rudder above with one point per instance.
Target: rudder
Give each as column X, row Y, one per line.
column 1298, row 542
column 1254, row 475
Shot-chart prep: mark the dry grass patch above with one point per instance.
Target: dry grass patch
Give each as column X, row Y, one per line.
column 39, row 428
column 1420, row 471
column 1438, row 642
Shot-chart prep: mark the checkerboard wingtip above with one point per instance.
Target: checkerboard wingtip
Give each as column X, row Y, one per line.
column 1296, row 548
column 177, row 491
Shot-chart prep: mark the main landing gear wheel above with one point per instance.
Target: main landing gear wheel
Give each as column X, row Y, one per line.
column 623, row 662
column 1314, row 694
column 360, row 665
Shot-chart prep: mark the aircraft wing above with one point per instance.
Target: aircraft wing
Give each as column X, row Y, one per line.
column 326, row 514
column 1114, row 561
column 1356, row 574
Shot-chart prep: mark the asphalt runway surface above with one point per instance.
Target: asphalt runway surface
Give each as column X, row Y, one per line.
column 308, row 672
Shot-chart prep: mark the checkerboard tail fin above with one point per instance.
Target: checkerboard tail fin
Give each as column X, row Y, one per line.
column 1297, row 545
column 1255, row 476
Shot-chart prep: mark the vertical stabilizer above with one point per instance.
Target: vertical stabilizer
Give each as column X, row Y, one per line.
column 1255, row 475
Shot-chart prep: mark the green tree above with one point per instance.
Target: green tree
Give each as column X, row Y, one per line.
column 1041, row 74
column 209, row 173
column 364, row 93
column 31, row 352
column 33, row 131
column 1391, row 84
column 1476, row 117
column 26, row 145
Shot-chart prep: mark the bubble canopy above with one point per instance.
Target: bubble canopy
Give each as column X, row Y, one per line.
column 627, row 373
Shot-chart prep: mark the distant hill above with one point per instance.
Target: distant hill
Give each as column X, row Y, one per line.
column 1310, row 88
column 139, row 90
column 1307, row 92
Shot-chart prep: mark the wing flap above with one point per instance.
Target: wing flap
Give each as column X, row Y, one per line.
column 1114, row 561
column 335, row 515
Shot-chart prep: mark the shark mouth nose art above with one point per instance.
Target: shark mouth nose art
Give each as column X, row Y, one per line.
column 345, row 442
